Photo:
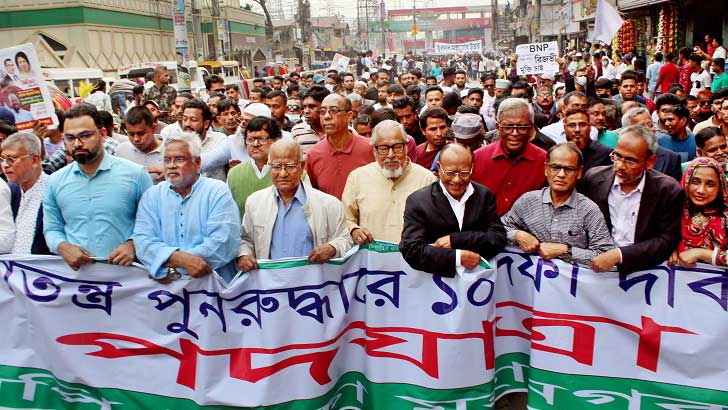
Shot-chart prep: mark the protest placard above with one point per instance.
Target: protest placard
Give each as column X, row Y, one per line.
column 24, row 96
column 339, row 63
column 537, row 58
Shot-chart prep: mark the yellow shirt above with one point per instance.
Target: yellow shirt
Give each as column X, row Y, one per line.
column 376, row 203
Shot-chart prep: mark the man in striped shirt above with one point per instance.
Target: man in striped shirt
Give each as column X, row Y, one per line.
column 557, row 221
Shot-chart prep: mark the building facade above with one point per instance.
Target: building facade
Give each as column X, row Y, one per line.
column 108, row 34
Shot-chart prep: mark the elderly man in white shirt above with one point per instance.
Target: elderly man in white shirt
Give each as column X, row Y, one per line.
column 21, row 163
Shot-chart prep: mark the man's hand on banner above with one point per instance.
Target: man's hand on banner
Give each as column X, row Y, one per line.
column 74, row 255
column 469, row 259
column 322, row 253
column 123, row 254
column 606, row 261
column 246, row 263
column 193, row 264
column 549, row 250
column 526, row 241
column 361, row 236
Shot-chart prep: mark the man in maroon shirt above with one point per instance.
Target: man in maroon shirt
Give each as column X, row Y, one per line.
column 329, row 162
column 512, row 165
column 669, row 75
column 435, row 125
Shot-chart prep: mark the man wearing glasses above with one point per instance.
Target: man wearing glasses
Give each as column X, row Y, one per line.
column 291, row 219
column 452, row 223
column 329, row 162
column 20, row 161
column 641, row 206
column 556, row 221
column 512, row 165
column 89, row 207
column 376, row 193
column 188, row 224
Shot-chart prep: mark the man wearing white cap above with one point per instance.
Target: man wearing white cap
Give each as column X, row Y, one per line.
column 501, row 87
column 232, row 150
column 468, row 130
column 608, row 69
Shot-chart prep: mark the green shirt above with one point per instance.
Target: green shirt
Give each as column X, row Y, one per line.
column 608, row 138
column 243, row 181
column 719, row 82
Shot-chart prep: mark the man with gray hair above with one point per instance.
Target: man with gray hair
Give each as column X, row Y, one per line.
column 667, row 162
column 642, row 207
column 21, row 163
column 375, row 194
column 188, row 224
column 512, row 165
column 291, row 219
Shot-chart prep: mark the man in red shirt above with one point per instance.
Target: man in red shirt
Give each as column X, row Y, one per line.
column 435, row 125
column 512, row 165
column 669, row 75
column 329, row 162
column 686, row 69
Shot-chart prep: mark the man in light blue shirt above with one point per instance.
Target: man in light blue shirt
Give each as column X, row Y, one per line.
column 291, row 223
column 89, row 206
column 653, row 71
column 188, row 224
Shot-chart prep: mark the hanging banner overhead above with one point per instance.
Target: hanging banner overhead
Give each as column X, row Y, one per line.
column 462, row 48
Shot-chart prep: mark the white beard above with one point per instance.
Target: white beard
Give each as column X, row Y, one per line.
column 392, row 173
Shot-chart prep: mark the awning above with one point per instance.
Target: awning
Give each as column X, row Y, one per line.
column 625, row 5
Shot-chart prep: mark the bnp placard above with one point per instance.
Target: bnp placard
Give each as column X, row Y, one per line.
column 537, row 58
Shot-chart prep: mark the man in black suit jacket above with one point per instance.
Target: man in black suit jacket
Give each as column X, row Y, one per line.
column 668, row 162
column 447, row 229
column 646, row 231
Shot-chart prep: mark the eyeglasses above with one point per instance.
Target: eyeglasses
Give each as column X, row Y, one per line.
column 178, row 161
column 219, row 90
column 82, row 136
column 704, row 102
column 461, row 174
column 294, row 108
column 259, row 140
column 384, row 149
column 9, row 161
column 332, row 110
column 555, row 169
column 276, row 168
column 489, row 85
column 631, row 162
column 520, row 129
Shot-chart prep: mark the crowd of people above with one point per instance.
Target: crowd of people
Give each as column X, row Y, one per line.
column 594, row 164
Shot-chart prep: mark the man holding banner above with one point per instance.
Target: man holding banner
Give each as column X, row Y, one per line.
column 451, row 224
column 641, row 206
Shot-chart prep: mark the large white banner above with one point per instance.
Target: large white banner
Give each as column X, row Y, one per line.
column 461, row 48
column 364, row 332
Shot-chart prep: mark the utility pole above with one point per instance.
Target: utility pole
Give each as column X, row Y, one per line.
column 215, row 14
column 197, row 35
column 496, row 30
column 536, row 26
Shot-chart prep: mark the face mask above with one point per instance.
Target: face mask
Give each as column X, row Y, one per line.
column 294, row 117
column 581, row 81
column 330, row 88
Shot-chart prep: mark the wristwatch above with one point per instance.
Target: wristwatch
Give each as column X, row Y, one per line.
column 566, row 257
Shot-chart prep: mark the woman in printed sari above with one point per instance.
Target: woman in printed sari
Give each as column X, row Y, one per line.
column 705, row 215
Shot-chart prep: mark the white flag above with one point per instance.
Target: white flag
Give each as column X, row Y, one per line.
column 608, row 21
